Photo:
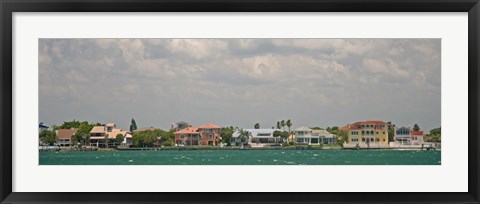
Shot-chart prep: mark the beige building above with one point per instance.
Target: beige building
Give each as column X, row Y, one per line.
column 65, row 137
column 106, row 135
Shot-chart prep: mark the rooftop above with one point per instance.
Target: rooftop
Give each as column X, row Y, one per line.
column 303, row 128
column 208, row 125
column 66, row 133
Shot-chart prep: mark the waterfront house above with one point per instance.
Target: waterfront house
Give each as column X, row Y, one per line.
column 179, row 125
column 106, row 135
column 207, row 134
column 405, row 135
column 367, row 133
column 65, row 137
column 257, row 136
column 325, row 137
column 303, row 135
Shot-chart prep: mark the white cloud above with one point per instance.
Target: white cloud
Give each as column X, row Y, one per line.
column 316, row 81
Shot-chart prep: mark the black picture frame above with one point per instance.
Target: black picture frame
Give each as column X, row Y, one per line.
column 7, row 8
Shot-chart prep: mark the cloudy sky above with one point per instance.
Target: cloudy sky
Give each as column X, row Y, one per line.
column 239, row 82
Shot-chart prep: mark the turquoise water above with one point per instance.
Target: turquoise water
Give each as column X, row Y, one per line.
column 245, row 157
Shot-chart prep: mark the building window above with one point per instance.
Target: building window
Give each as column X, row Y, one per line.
column 378, row 140
column 384, row 140
column 383, row 132
column 371, row 132
column 182, row 136
column 377, row 132
column 210, row 136
column 363, row 132
column 363, row 139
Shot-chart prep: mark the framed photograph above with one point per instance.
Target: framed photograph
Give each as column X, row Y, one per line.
column 253, row 102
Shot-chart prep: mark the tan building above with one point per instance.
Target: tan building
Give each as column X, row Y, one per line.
column 208, row 134
column 366, row 133
column 65, row 137
column 106, row 135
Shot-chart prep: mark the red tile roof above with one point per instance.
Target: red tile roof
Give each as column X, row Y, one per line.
column 209, row 125
column 417, row 132
column 355, row 126
column 370, row 122
column 187, row 130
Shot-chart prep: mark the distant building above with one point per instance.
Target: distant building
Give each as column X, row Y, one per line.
column 325, row 137
column 405, row 135
column 367, row 132
column 208, row 134
column 259, row 136
column 65, row 137
column 180, row 125
column 303, row 135
column 42, row 127
column 98, row 134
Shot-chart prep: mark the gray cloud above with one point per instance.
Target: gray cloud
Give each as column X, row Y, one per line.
column 314, row 82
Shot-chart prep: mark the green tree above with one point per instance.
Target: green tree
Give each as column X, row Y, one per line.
column 226, row 134
column 316, row 128
column 133, row 125
column 119, row 138
column 277, row 134
column 83, row 134
column 257, row 126
column 282, row 123
column 416, row 127
column 435, row 135
column 148, row 138
column 48, row 137
column 278, row 125
column 168, row 143
column 288, row 124
column 391, row 131
column 244, row 135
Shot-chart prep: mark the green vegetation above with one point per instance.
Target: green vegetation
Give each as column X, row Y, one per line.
column 416, row 127
column 119, row 138
column 282, row 134
column 133, row 125
column 83, row 134
column 48, row 137
column 151, row 138
column 289, row 143
column 435, row 135
column 342, row 136
column 226, row 134
column 288, row 124
column 391, row 131
column 257, row 126
column 243, row 135
column 316, row 128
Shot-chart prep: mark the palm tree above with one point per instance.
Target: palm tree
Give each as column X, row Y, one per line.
column 257, row 126
column 282, row 123
column 278, row 125
column 289, row 124
column 243, row 134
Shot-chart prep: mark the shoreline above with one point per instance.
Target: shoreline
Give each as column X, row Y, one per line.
column 230, row 148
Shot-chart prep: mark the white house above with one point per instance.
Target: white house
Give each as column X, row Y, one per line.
column 257, row 136
column 325, row 137
column 405, row 135
column 303, row 135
